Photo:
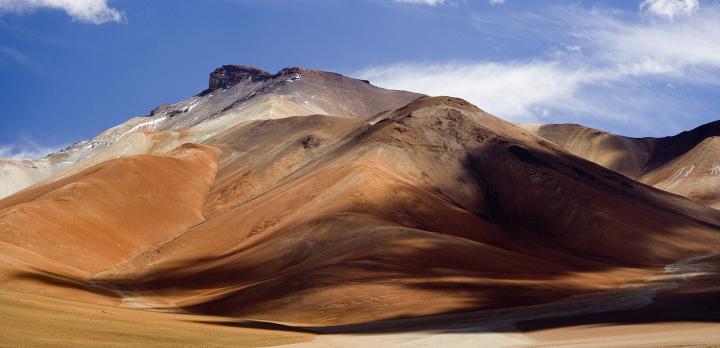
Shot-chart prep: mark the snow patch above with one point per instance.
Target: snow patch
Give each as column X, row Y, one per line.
column 294, row 78
column 191, row 106
column 715, row 170
column 376, row 120
column 682, row 173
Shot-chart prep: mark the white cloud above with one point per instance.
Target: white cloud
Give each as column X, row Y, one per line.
column 496, row 2
column 663, row 47
column 608, row 72
column 26, row 150
column 88, row 11
column 422, row 2
column 670, row 8
column 510, row 89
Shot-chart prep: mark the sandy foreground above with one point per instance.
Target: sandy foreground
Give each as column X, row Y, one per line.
column 38, row 321
column 497, row 328
column 655, row 335
column 33, row 320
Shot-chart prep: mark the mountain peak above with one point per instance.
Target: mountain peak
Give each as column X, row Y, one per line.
column 231, row 74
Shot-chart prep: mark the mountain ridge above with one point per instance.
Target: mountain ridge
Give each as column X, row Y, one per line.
column 660, row 162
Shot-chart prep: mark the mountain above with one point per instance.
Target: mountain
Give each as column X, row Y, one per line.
column 307, row 200
column 685, row 164
column 235, row 94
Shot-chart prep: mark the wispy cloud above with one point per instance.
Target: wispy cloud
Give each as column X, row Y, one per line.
column 603, row 65
column 87, row 11
column 657, row 47
column 670, row 8
column 440, row 2
column 16, row 59
column 505, row 88
column 27, row 149
column 421, row 2
column 13, row 55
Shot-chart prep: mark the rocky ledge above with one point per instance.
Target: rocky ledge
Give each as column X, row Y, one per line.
column 230, row 75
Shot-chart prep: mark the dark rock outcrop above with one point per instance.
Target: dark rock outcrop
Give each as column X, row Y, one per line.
column 230, row 75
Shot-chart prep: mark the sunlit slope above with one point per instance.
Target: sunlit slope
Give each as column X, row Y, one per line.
column 624, row 155
column 77, row 226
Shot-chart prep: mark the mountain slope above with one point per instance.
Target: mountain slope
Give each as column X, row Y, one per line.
column 94, row 220
column 415, row 212
column 686, row 164
column 429, row 206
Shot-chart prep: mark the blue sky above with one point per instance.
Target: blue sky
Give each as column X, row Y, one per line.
column 70, row 69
